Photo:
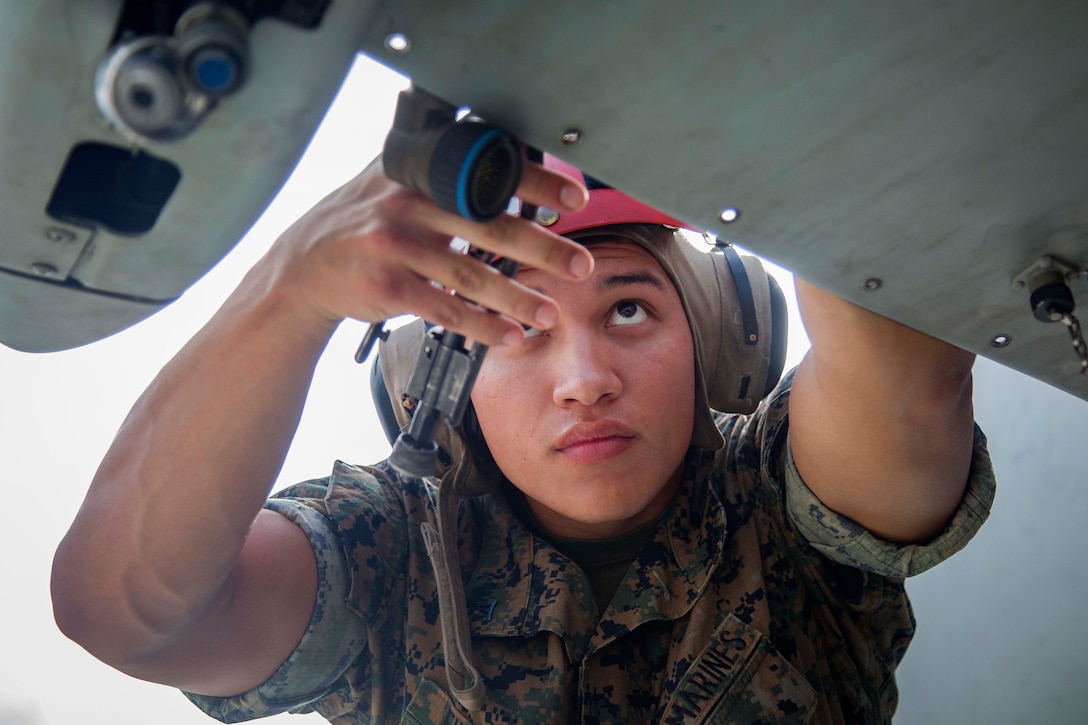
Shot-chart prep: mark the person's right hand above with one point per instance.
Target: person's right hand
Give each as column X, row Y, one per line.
column 374, row 249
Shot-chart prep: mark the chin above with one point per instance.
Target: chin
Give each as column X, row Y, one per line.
column 602, row 506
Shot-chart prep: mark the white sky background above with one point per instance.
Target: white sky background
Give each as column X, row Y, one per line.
column 60, row 412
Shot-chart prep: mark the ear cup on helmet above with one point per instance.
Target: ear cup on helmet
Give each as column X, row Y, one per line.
column 762, row 312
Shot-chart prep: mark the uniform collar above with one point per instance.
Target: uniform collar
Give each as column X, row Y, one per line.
column 522, row 585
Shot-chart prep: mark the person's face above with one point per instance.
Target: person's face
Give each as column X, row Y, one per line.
column 591, row 419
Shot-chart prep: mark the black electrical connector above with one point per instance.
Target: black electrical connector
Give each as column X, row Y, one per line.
column 468, row 167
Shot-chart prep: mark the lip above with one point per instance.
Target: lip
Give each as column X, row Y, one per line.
column 596, row 441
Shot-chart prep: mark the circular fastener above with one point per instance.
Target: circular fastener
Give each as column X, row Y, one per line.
column 571, row 136
column 729, row 214
column 546, row 217
column 753, row 338
column 1000, row 340
column 408, row 403
column 872, row 284
column 43, row 269
column 398, row 43
column 60, row 235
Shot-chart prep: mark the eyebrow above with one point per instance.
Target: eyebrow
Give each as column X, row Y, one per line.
column 613, row 281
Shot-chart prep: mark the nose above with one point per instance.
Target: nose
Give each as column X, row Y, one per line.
column 585, row 373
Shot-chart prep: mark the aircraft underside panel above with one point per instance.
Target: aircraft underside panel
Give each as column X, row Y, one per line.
column 920, row 159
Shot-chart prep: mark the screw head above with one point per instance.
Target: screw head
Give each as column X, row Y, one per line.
column 729, row 215
column 1000, row 340
column 872, row 284
column 398, row 43
column 571, row 136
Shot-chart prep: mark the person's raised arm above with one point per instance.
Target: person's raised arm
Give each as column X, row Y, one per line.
column 881, row 422
column 171, row 571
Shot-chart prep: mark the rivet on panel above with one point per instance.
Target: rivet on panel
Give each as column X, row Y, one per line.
column 398, row 43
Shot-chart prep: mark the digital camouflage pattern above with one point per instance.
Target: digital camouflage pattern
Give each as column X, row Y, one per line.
column 751, row 603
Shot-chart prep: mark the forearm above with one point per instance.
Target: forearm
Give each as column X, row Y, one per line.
column 881, row 418
column 171, row 504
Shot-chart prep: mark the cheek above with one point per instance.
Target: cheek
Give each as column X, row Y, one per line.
column 501, row 406
column 672, row 387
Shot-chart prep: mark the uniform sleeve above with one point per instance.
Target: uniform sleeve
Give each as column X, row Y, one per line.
column 334, row 639
column 846, row 542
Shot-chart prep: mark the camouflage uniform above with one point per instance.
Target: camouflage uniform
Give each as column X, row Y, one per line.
column 751, row 603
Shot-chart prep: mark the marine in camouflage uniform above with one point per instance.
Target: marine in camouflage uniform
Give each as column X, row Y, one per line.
column 750, row 602
column 731, row 594
column 745, row 601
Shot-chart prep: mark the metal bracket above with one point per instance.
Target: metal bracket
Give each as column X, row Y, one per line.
column 1044, row 264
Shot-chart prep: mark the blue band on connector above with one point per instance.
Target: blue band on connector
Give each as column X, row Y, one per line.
column 463, row 175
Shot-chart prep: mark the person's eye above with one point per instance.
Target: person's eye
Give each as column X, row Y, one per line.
column 628, row 312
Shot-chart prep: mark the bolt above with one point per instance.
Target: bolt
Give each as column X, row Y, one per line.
column 872, row 284
column 1001, row 340
column 43, row 269
column 571, row 136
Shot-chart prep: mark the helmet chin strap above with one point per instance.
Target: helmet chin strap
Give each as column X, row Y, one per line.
column 463, row 678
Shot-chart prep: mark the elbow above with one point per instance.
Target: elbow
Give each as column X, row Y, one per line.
column 89, row 609
column 72, row 612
